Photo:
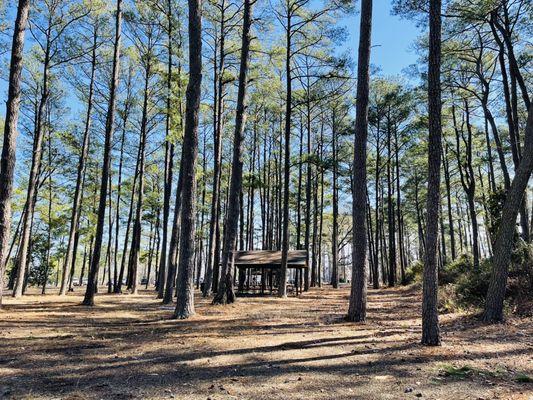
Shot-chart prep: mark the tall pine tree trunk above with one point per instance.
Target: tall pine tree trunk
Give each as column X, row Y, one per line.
column 282, row 289
column 33, row 184
column 137, row 227
column 76, row 206
column 185, row 285
column 169, row 162
column 225, row 292
column 7, row 165
column 357, row 308
column 430, row 322
column 335, row 228
column 110, row 121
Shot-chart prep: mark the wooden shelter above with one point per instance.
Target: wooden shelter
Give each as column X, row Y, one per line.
column 259, row 269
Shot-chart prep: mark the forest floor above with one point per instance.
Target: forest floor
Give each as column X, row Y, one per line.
column 259, row 348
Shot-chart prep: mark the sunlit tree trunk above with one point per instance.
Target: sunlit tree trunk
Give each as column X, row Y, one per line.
column 225, row 292
column 185, row 285
column 7, row 165
column 430, row 322
column 110, row 121
column 357, row 307
column 503, row 244
column 76, row 204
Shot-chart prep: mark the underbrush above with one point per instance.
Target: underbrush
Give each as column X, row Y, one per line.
column 461, row 372
column 463, row 287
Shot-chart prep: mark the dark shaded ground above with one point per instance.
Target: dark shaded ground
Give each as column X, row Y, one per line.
column 259, row 348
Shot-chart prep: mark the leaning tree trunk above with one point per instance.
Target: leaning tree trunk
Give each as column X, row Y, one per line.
column 110, row 121
column 503, row 244
column 357, row 308
column 430, row 320
column 7, row 165
column 185, row 292
column 225, row 292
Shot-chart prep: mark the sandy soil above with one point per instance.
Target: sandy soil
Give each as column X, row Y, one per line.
column 259, row 348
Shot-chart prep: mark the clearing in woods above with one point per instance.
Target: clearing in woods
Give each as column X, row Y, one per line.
column 258, row 348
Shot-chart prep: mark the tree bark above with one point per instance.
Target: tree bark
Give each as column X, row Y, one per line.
column 169, row 162
column 33, row 186
column 225, row 293
column 466, row 173
column 117, row 278
column 449, row 202
column 110, row 121
column 76, row 204
column 173, row 248
column 503, row 244
column 137, row 227
column 375, row 275
column 7, row 165
column 430, row 322
column 335, row 228
column 185, row 284
column 357, row 308
column 390, row 207
column 282, row 288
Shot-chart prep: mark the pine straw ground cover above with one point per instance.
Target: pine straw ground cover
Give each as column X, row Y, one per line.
column 259, row 348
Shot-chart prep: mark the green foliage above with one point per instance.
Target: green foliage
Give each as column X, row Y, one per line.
column 456, row 372
column 447, row 301
column 523, row 378
column 495, row 203
column 414, row 272
column 39, row 274
column 455, row 269
column 252, row 180
column 464, row 287
column 520, row 285
column 40, row 270
column 471, row 286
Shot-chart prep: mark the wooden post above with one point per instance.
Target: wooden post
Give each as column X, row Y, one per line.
column 296, row 283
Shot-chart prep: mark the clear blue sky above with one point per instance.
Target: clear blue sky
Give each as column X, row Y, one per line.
column 392, row 38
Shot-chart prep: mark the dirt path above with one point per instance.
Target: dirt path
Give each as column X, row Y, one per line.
column 259, row 348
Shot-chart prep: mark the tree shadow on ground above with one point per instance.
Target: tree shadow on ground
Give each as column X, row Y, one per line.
column 128, row 345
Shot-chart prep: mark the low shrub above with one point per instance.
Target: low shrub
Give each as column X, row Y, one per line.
column 520, row 283
column 472, row 285
column 447, row 300
column 523, row 378
column 455, row 269
column 414, row 272
column 462, row 287
column 456, row 371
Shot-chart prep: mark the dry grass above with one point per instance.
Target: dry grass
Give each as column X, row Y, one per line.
column 259, row 348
